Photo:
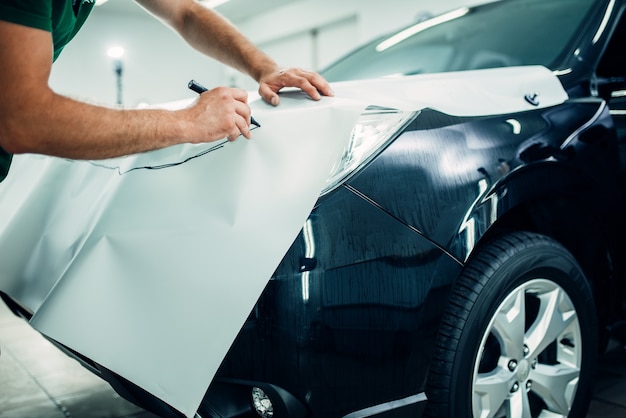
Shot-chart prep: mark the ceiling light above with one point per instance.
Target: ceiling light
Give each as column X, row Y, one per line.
column 116, row 52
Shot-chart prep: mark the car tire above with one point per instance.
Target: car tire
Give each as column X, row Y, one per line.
column 519, row 335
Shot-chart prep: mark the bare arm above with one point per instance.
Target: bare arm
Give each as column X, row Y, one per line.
column 35, row 119
column 214, row 36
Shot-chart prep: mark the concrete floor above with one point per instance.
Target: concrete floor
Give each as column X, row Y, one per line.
column 39, row 381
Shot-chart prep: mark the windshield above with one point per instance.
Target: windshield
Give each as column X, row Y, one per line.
column 501, row 34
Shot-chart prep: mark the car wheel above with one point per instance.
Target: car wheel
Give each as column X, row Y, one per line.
column 519, row 336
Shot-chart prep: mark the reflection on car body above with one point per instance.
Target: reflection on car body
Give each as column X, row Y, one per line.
column 458, row 263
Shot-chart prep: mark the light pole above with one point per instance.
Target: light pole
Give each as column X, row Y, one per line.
column 116, row 53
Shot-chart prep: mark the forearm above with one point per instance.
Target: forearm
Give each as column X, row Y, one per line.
column 211, row 34
column 63, row 127
column 214, row 36
column 48, row 123
column 34, row 119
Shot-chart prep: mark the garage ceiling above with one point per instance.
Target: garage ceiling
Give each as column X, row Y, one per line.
column 235, row 10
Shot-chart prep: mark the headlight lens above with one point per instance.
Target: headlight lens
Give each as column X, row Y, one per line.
column 376, row 127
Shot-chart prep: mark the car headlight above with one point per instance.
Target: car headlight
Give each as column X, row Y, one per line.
column 375, row 128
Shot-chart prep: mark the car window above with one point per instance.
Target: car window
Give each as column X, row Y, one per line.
column 500, row 34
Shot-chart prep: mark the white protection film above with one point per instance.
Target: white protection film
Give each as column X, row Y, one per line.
column 156, row 270
column 149, row 264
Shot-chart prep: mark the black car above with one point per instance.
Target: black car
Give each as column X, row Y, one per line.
column 465, row 258
column 474, row 265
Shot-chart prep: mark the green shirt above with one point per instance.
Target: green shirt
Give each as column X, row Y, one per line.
column 62, row 18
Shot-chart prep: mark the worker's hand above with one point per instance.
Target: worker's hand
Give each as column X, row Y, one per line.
column 310, row 82
column 220, row 113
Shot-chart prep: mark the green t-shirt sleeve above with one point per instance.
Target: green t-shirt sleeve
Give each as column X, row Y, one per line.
column 33, row 13
column 59, row 17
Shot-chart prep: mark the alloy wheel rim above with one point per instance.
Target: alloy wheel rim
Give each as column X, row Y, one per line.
column 528, row 363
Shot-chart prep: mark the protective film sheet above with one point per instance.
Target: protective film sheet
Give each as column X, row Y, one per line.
column 156, row 270
column 149, row 264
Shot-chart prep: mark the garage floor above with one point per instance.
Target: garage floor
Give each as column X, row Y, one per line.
column 38, row 381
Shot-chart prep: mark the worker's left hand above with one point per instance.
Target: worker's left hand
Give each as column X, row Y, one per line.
column 310, row 82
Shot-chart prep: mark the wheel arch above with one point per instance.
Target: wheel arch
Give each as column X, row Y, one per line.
column 556, row 208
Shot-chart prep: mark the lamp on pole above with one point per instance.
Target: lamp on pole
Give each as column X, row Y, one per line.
column 116, row 53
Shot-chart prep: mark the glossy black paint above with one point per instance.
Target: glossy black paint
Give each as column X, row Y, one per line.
column 436, row 179
column 345, row 332
column 349, row 318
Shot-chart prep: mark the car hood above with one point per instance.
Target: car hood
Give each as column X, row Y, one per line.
column 150, row 264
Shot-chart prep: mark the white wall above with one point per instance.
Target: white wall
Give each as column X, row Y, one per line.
column 158, row 64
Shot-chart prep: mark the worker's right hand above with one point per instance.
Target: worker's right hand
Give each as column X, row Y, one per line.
column 220, row 113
